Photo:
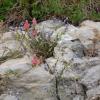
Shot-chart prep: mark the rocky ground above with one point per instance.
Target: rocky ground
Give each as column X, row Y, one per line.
column 73, row 73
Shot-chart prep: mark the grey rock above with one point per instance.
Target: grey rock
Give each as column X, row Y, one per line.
column 92, row 77
column 9, row 48
column 91, row 24
column 19, row 66
column 8, row 97
column 93, row 93
column 78, row 97
column 46, row 28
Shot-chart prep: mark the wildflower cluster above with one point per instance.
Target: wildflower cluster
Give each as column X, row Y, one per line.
column 39, row 47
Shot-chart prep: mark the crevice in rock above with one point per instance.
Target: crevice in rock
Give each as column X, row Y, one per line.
column 57, row 92
column 84, row 90
column 4, row 81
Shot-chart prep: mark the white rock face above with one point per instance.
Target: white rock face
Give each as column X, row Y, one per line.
column 57, row 34
column 7, row 97
column 9, row 45
column 86, row 34
column 88, row 30
column 94, row 93
column 67, row 32
column 8, row 35
column 92, row 77
column 91, row 24
column 10, row 98
column 20, row 65
column 46, row 28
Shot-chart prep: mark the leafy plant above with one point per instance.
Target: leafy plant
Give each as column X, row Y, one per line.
column 42, row 47
column 76, row 10
column 46, row 7
column 35, row 43
column 5, row 6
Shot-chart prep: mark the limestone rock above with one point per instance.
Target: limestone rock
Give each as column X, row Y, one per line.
column 94, row 93
column 7, row 97
column 20, row 65
column 91, row 24
column 10, row 49
column 91, row 77
column 46, row 28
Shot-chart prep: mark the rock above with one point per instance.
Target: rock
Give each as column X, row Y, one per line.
column 93, row 93
column 87, row 31
column 37, row 76
column 51, row 64
column 78, row 67
column 71, row 30
column 63, row 53
column 91, row 24
column 92, row 77
column 10, row 98
column 46, row 28
column 8, row 36
column 68, row 50
column 64, row 32
column 78, row 97
column 75, row 45
column 7, row 97
column 58, row 33
column 19, row 65
column 40, row 95
column 38, row 84
column 54, row 66
column 86, row 34
column 10, row 49
column 69, row 88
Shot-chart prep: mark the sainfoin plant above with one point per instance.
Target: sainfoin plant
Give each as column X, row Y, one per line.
column 26, row 25
column 36, row 44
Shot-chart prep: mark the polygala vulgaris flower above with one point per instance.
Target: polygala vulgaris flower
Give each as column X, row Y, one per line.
column 26, row 25
column 34, row 22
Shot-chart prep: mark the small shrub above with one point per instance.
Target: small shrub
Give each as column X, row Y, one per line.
column 5, row 6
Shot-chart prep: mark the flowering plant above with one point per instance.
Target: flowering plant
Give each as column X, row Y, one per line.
column 36, row 44
column 26, row 25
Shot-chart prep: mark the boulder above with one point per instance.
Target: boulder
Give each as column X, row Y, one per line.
column 64, row 32
column 93, row 93
column 19, row 65
column 7, row 97
column 10, row 49
column 91, row 24
column 92, row 77
column 37, row 84
column 8, row 36
column 46, row 28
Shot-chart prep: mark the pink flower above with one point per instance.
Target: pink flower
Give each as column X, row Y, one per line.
column 34, row 33
column 34, row 22
column 26, row 25
column 36, row 60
